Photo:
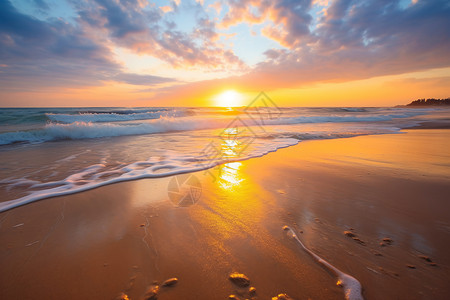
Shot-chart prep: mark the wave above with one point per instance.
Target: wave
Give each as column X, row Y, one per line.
column 14, row 118
column 111, row 117
column 88, row 130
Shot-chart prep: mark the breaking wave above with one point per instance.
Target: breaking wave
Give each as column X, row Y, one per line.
column 75, row 128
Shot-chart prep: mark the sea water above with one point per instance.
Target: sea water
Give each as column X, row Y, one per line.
column 46, row 152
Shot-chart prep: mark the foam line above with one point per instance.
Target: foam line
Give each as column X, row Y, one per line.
column 90, row 177
column 351, row 285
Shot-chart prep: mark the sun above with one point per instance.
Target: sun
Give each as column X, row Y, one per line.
column 228, row 98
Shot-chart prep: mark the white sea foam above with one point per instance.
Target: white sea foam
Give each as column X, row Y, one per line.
column 352, row 287
column 98, row 175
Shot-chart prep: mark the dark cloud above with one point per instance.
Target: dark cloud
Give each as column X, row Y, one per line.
column 137, row 79
column 47, row 52
column 41, row 4
column 122, row 17
column 18, row 25
column 52, row 53
column 295, row 13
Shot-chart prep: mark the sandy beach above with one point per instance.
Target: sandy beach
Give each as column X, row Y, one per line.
column 342, row 197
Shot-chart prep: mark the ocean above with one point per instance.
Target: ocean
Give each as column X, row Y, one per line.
column 47, row 152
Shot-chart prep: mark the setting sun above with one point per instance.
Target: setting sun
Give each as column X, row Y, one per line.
column 228, row 98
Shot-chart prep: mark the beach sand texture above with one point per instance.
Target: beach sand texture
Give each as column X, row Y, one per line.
column 375, row 207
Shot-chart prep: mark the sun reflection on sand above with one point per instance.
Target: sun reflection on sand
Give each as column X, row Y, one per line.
column 230, row 198
column 230, row 176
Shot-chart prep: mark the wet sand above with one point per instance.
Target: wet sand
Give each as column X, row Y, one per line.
column 123, row 237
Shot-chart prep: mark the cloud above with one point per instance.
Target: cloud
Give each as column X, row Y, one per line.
column 355, row 40
column 124, row 17
column 289, row 20
column 35, row 49
column 146, row 31
column 352, row 40
column 41, row 4
column 137, row 79
column 166, row 8
column 362, row 39
column 52, row 53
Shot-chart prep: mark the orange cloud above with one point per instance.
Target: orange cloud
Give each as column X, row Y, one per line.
column 217, row 6
column 166, row 9
column 291, row 20
column 276, row 33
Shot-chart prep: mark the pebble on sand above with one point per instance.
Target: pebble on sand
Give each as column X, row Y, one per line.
column 252, row 291
column 122, row 296
column 233, row 297
column 411, row 266
column 349, row 234
column 239, row 279
column 170, row 282
column 388, row 241
column 356, row 239
column 152, row 293
column 282, row 297
column 425, row 258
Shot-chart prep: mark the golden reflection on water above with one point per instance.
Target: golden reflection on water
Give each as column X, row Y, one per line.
column 230, row 143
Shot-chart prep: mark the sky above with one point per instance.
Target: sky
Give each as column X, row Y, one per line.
column 191, row 53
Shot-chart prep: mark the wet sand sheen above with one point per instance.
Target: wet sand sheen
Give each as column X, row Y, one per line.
column 123, row 237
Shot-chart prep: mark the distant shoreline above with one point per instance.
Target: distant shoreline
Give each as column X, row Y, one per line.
column 429, row 102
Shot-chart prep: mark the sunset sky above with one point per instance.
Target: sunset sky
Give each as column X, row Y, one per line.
column 187, row 53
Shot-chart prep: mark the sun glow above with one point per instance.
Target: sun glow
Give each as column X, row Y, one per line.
column 229, row 98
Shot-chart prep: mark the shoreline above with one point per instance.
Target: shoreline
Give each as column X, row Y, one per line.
column 321, row 188
column 441, row 124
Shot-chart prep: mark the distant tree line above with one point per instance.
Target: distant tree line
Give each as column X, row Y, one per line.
column 431, row 101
